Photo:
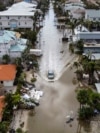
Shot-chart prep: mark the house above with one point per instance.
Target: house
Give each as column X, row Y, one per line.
column 82, row 33
column 77, row 14
column 88, row 35
column 2, row 105
column 7, row 74
column 72, row 5
column 11, row 44
column 19, row 15
column 92, row 15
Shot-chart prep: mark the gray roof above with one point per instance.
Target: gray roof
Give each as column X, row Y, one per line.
column 93, row 13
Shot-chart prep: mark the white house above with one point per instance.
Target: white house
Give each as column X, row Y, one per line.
column 92, row 15
column 7, row 74
column 82, row 33
column 72, row 6
column 92, row 48
column 19, row 15
column 11, row 44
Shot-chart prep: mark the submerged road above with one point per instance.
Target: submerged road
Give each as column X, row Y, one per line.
column 55, row 53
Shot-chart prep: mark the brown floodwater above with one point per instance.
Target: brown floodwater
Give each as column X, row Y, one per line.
column 58, row 100
column 59, row 97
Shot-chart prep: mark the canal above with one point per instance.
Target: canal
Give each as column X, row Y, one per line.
column 59, row 98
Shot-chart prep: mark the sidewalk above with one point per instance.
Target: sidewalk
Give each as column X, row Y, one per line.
column 19, row 120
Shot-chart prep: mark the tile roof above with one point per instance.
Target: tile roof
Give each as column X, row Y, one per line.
column 7, row 72
column 2, row 105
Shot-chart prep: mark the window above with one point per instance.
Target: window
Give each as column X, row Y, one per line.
column 1, row 82
column 25, row 23
column 8, row 17
column 0, row 23
column 19, row 23
column 94, row 18
column 18, row 17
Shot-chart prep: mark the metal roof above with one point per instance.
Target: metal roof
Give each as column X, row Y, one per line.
column 93, row 13
column 20, row 9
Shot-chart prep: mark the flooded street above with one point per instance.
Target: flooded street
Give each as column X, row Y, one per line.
column 58, row 100
column 59, row 97
column 55, row 53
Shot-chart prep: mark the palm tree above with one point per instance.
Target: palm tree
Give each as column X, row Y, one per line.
column 95, row 101
column 79, row 46
column 83, row 97
column 89, row 67
column 3, row 127
column 76, row 65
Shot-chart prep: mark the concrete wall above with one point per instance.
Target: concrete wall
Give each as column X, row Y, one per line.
column 8, row 83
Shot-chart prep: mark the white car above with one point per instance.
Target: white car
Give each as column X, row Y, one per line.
column 51, row 74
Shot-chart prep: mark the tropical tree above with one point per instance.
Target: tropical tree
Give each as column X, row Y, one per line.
column 89, row 67
column 21, row 78
column 6, row 59
column 18, row 61
column 30, row 35
column 89, row 102
column 3, row 127
column 71, row 48
column 83, row 97
column 16, row 99
column 2, row 6
column 95, row 101
column 19, row 130
column 79, row 46
column 76, row 65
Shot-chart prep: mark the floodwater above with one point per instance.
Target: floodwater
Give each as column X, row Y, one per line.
column 59, row 97
column 55, row 53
